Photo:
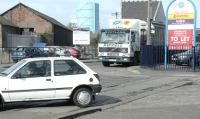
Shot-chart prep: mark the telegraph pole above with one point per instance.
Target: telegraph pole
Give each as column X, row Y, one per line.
column 116, row 14
column 149, row 11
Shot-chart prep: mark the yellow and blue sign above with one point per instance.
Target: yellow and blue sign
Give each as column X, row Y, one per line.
column 180, row 26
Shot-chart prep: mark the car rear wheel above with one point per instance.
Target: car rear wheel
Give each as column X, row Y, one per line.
column 82, row 97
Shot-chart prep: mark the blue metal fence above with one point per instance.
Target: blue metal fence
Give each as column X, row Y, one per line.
column 185, row 58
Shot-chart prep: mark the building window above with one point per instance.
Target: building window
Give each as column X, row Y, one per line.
column 26, row 31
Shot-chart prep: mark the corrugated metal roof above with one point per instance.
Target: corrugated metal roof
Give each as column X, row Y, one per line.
column 6, row 22
column 48, row 18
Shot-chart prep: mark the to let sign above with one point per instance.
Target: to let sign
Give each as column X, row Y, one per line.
column 181, row 14
column 180, row 39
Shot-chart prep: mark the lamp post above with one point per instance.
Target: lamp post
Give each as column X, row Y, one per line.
column 116, row 15
column 149, row 11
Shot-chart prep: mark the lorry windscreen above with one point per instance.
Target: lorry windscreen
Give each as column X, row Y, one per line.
column 114, row 37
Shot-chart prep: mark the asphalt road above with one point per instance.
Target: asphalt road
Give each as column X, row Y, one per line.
column 112, row 79
column 122, row 87
column 178, row 103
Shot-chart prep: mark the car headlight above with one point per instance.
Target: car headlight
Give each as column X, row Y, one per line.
column 182, row 57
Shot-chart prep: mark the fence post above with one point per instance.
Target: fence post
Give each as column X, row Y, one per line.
column 1, row 54
column 194, row 59
column 165, row 57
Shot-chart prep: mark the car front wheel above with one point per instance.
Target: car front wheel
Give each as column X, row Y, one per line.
column 82, row 97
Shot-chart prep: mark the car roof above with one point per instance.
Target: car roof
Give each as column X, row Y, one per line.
column 60, row 58
column 50, row 58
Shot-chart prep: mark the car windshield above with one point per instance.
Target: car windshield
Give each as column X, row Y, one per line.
column 12, row 68
column 112, row 37
column 19, row 49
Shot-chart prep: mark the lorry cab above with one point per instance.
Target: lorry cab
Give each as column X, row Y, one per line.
column 121, row 43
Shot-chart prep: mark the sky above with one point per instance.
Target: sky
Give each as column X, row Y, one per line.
column 63, row 10
column 196, row 2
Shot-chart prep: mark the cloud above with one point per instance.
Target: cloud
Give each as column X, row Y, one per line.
column 63, row 10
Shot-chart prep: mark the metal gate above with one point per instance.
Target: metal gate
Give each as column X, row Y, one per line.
column 182, row 59
column 186, row 58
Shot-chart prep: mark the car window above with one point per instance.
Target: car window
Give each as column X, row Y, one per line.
column 67, row 67
column 19, row 49
column 34, row 69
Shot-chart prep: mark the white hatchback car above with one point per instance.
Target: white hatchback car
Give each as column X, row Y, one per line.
column 49, row 78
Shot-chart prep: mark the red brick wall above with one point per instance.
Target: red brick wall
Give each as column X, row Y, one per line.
column 24, row 18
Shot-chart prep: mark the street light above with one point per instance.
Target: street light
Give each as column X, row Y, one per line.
column 149, row 11
column 116, row 15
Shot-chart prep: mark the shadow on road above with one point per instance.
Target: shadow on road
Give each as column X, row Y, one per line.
column 102, row 100
column 24, row 105
column 123, row 66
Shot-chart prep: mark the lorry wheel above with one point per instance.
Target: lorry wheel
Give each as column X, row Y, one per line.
column 1, row 104
column 127, row 64
column 136, row 59
column 82, row 97
column 106, row 64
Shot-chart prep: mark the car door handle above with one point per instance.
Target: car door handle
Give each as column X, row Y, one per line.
column 48, row 80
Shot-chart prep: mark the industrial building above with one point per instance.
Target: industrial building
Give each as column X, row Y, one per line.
column 137, row 9
column 34, row 23
column 88, row 15
column 6, row 27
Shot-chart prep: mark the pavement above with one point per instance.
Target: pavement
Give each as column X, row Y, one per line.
column 164, row 81
column 177, row 103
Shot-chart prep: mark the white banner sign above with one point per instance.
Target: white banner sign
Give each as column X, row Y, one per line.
column 81, row 37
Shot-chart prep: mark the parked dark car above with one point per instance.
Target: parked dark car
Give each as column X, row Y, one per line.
column 186, row 57
column 26, row 52
column 18, row 54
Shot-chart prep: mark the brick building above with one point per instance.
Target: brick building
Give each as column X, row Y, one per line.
column 137, row 9
column 6, row 27
column 32, row 22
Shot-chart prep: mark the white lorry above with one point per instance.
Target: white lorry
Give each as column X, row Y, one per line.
column 121, row 42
